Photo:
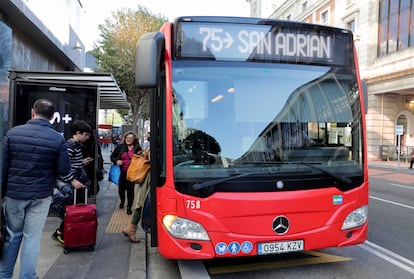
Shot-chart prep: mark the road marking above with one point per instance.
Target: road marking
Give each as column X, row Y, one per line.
column 389, row 256
column 402, row 186
column 192, row 269
column 391, row 202
column 313, row 257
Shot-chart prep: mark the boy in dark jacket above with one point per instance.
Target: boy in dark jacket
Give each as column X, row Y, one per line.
column 81, row 132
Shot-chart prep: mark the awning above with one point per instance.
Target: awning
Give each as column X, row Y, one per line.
column 111, row 96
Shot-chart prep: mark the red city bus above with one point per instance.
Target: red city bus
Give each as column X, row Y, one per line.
column 105, row 133
column 257, row 137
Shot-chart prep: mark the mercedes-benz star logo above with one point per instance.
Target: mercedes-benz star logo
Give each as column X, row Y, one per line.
column 280, row 225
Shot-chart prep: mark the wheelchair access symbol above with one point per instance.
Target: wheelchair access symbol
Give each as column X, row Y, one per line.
column 234, row 247
column 246, row 247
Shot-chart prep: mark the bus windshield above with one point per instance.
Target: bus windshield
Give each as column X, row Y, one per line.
column 275, row 122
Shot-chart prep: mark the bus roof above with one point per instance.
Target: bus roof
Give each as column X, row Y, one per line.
column 254, row 20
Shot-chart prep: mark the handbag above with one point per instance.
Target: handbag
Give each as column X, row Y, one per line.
column 62, row 196
column 139, row 167
column 114, row 174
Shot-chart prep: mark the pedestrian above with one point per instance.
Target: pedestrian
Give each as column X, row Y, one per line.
column 412, row 158
column 95, row 172
column 33, row 155
column 122, row 156
column 81, row 132
column 131, row 229
column 115, row 140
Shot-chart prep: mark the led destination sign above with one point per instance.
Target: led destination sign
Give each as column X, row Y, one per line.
column 242, row 42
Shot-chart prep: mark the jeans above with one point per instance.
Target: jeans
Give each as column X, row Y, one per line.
column 25, row 220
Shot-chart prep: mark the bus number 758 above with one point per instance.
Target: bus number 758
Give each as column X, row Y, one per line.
column 193, row 204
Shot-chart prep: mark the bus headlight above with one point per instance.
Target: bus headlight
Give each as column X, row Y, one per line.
column 356, row 218
column 184, row 228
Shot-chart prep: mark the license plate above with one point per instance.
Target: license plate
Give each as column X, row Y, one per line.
column 279, row 247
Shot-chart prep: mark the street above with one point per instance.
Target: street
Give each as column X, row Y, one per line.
column 387, row 253
column 391, row 211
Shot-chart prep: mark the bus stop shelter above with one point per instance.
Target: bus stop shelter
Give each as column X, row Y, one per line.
column 111, row 96
column 76, row 96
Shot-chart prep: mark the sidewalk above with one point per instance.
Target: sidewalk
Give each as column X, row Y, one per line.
column 114, row 256
column 402, row 165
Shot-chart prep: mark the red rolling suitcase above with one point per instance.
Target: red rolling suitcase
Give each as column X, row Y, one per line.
column 80, row 225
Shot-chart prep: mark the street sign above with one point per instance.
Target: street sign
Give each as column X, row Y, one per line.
column 399, row 130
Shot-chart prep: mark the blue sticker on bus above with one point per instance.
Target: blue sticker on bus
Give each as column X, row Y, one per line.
column 337, row 199
column 246, row 247
column 221, row 248
column 234, row 247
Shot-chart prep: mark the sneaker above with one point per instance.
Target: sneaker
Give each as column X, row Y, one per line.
column 58, row 237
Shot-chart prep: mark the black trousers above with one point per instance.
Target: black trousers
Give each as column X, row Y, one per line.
column 128, row 187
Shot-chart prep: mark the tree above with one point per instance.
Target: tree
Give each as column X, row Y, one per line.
column 115, row 53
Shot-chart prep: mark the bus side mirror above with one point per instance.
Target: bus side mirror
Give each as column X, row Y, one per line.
column 148, row 53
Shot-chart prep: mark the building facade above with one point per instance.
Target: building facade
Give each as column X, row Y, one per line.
column 384, row 39
column 41, row 42
column 43, row 35
column 38, row 36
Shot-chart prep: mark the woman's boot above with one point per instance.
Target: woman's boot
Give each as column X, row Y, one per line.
column 130, row 231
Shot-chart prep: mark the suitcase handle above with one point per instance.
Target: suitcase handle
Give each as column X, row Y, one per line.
column 86, row 195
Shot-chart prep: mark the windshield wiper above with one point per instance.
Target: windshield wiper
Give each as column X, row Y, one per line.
column 341, row 178
column 311, row 164
column 206, row 184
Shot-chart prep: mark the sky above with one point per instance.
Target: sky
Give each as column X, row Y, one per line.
column 96, row 11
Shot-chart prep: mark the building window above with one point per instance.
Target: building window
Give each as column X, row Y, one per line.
column 5, row 66
column 325, row 17
column 304, row 6
column 254, row 8
column 351, row 25
column 5, row 49
column 400, row 140
column 396, row 30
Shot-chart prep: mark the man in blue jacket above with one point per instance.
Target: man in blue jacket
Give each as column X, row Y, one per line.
column 34, row 154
